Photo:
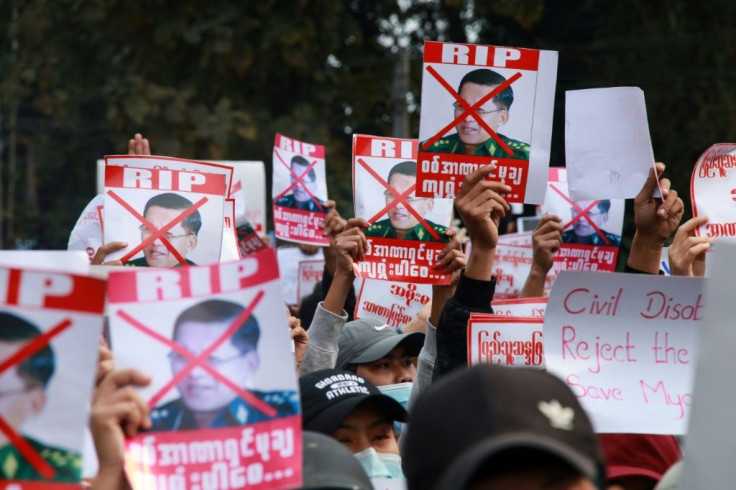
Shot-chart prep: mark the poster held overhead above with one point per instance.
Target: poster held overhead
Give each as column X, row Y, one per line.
column 215, row 340
column 485, row 105
column 406, row 232
column 299, row 191
column 167, row 217
column 608, row 151
column 712, row 191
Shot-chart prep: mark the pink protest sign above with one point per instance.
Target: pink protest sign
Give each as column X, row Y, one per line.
column 626, row 344
column 485, row 105
column 713, row 191
column 505, row 340
column 216, row 343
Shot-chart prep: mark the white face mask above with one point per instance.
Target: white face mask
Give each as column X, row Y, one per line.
column 399, row 392
column 380, row 465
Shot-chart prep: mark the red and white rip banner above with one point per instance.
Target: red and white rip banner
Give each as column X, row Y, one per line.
column 299, row 191
column 223, row 396
column 407, row 232
column 485, row 105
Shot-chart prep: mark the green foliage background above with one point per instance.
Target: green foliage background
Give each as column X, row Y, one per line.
column 217, row 79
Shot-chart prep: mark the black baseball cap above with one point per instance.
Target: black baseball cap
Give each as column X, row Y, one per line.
column 468, row 418
column 368, row 340
column 329, row 464
column 329, row 395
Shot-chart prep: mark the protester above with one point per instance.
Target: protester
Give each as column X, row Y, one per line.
column 352, row 410
column 546, row 241
column 494, row 427
column 637, row 461
column 327, row 464
column 687, row 252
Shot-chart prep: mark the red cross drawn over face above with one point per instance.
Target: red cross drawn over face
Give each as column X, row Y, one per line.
column 468, row 109
column 200, row 361
column 24, row 448
column 156, row 233
column 582, row 213
column 298, row 180
column 398, row 199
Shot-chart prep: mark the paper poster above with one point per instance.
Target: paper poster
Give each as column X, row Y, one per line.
column 483, row 105
column 711, row 436
column 167, row 217
column 249, row 182
column 608, row 150
column 87, row 232
column 713, row 191
column 51, row 327
column 511, row 267
column 299, row 191
column 74, row 262
column 529, row 307
column 229, row 249
column 248, row 240
column 505, row 340
column 394, row 303
column 626, row 344
column 592, row 229
column 389, row 483
column 225, row 406
column 407, row 232
column 523, row 239
column 309, row 274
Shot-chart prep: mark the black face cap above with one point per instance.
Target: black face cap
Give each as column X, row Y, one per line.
column 464, row 419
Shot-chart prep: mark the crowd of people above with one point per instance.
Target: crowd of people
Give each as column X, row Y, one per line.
column 379, row 402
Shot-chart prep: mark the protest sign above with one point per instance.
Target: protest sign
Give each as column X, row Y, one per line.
column 389, row 483
column 626, row 344
column 468, row 119
column 523, row 239
column 529, row 307
column 711, row 437
column 511, row 267
column 51, row 326
column 713, row 191
column 249, row 182
column 215, row 340
column 164, row 216
column 87, row 232
column 505, row 340
column 299, row 191
column 75, row 262
column 289, row 258
column 592, row 229
column 407, row 232
column 229, row 249
column 248, row 240
column 309, row 273
column 608, row 150
column 394, row 303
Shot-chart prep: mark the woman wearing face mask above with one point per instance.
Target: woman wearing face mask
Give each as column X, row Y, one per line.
column 353, row 411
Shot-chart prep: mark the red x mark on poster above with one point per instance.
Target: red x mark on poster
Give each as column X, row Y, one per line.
column 398, row 199
column 582, row 213
column 468, row 109
column 298, row 180
column 156, row 233
column 24, row 448
column 200, row 361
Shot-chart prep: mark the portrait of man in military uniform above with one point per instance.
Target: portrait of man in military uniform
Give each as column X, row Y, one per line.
column 204, row 400
column 401, row 223
column 299, row 197
column 584, row 233
column 470, row 137
column 160, row 210
column 23, row 397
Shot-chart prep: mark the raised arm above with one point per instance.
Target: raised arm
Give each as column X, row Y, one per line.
column 547, row 240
